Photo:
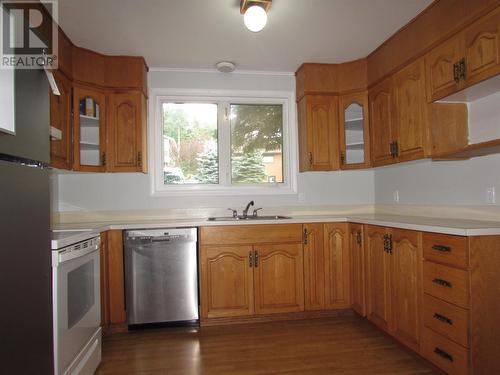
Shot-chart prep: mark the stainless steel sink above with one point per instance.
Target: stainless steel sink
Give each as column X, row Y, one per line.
column 248, row 218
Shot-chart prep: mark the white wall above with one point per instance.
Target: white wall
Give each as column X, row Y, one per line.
column 131, row 191
column 425, row 182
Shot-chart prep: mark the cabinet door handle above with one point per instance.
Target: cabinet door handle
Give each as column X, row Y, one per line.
column 442, row 282
column 310, row 159
column 342, row 157
column 250, row 259
column 306, row 236
column 443, row 319
column 442, row 248
column 103, row 159
column 440, row 352
column 256, row 258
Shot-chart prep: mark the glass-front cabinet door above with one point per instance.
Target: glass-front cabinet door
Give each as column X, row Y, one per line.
column 89, row 113
column 354, row 131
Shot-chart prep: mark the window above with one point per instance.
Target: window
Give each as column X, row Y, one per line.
column 223, row 144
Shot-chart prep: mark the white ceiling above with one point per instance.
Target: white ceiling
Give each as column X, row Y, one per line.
column 195, row 34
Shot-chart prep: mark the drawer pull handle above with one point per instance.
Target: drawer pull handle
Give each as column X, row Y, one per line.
column 442, row 248
column 442, row 282
column 443, row 318
column 443, row 354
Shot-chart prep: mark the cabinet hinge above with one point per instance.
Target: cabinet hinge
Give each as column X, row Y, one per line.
column 456, row 72
column 103, row 159
column 394, row 149
column 256, row 258
column 342, row 157
column 359, row 239
column 139, row 158
column 462, row 69
column 306, row 236
column 250, row 259
column 310, row 159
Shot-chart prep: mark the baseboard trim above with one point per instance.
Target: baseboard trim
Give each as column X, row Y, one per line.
column 207, row 322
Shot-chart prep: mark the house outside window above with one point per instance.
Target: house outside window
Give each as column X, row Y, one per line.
column 223, row 144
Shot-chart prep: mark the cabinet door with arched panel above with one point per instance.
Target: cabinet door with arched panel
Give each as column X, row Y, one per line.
column 354, row 131
column 127, row 132
column 89, row 114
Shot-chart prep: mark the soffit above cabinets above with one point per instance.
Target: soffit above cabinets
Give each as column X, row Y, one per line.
column 194, row 34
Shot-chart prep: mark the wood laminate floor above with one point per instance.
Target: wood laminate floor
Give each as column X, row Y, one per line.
column 343, row 345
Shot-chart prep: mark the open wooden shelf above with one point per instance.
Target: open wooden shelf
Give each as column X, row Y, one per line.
column 471, row 151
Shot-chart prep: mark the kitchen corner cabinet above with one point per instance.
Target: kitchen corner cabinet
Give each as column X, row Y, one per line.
column 465, row 59
column 248, row 270
column 126, row 133
column 357, row 264
column 60, row 124
column 394, row 291
column 318, row 133
column 89, row 141
column 354, row 131
column 326, row 266
column 400, row 117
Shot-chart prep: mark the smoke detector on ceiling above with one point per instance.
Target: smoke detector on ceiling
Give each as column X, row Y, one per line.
column 225, row 66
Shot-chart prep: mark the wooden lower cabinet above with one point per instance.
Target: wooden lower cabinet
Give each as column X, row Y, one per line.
column 393, row 290
column 113, row 316
column 406, row 286
column 336, row 255
column 247, row 274
column 278, row 278
column 227, row 281
column 378, row 283
column 314, row 267
column 357, row 268
column 326, row 266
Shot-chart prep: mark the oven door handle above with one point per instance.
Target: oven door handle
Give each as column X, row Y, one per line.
column 59, row 258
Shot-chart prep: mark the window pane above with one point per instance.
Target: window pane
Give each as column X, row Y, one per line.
column 190, row 143
column 256, row 143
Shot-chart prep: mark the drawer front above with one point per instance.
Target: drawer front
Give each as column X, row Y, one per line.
column 442, row 248
column 250, row 234
column 445, row 354
column 446, row 283
column 446, row 319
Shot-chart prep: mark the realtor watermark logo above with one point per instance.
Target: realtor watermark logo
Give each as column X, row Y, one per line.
column 29, row 35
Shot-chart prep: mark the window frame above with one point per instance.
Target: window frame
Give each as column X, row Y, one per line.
column 225, row 98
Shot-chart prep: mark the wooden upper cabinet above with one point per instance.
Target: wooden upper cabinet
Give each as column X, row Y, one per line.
column 314, row 267
column 440, row 69
column 318, row 133
column 354, row 133
column 378, row 283
column 482, row 48
column 89, row 127
column 357, row 267
column 226, row 281
column 406, row 290
column 126, row 132
column 336, row 255
column 411, row 113
column 278, row 278
column 381, row 99
column 60, row 122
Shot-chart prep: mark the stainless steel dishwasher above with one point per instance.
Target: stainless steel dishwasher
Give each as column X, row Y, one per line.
column 161, row 276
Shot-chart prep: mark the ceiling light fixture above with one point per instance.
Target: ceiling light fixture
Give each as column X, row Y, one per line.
column 255, row 13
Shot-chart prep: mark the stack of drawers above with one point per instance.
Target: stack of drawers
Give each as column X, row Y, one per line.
column 446, row 301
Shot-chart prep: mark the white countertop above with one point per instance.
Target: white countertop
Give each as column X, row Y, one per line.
column 425, row 224
column 66, row 238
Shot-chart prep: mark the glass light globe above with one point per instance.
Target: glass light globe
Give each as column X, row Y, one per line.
column 255, row 18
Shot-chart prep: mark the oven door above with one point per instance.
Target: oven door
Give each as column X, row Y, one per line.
column 77, row 307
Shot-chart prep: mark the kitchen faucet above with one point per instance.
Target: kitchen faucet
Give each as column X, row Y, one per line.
column 245, row 211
